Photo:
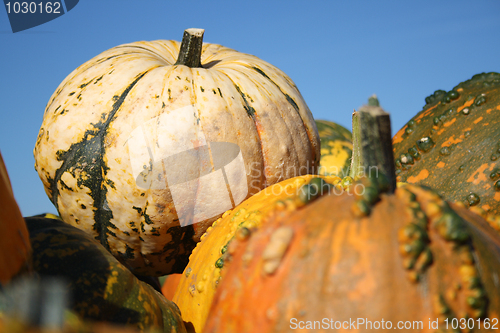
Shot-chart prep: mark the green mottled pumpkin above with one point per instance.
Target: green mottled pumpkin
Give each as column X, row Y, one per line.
column 148, row 143
column 453, row 144
column 101, row 289
column 336, row 148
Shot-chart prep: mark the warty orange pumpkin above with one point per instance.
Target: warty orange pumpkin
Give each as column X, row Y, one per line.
column 397, row 256
column 199, row 281
column 136, row 142
column 169, row 285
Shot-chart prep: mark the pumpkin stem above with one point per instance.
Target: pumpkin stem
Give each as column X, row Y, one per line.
column 190, row 52
column 372, row 144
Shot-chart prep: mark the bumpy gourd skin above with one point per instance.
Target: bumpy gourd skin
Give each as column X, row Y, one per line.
column 101, row 289
column 407, row 256
column 453, row 145
column 200, row 279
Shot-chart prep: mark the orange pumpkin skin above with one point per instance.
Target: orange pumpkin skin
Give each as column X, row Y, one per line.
column 199, row 281
column 170, row 285
column 15, row 245
column 341, row 265
column 453, row 144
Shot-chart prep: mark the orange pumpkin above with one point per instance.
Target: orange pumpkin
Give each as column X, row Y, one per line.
column 169, row 285
column 15, row 246
column 402, row 257
column 199, row 281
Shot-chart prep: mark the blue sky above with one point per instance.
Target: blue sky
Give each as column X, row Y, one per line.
column 338, row 53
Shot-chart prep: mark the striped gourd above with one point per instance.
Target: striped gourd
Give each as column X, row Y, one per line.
column 100, row 288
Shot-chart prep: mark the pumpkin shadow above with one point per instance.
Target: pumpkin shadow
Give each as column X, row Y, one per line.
column 210, row 64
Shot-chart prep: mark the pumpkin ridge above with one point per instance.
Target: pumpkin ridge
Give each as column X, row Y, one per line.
column 251, row 114
column 152, row 52
column 292, row 102
column 87, row 163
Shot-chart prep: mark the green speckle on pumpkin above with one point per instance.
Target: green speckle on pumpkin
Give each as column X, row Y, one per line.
column 224, row 249
column 291, row 101
column 453, row 94
column 480, row 100
column 261, row 72
column 413, row 151
column 219, row 263
column 425, row 144
column 406, row 159
column 473, row 199
column 243, row 233
column 496, row 186
column 452, row 227
column 315, row 188
column 445, row 151
column 346, row 182
column 248, row 108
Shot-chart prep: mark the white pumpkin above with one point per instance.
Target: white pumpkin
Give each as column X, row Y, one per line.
column 144, row 152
